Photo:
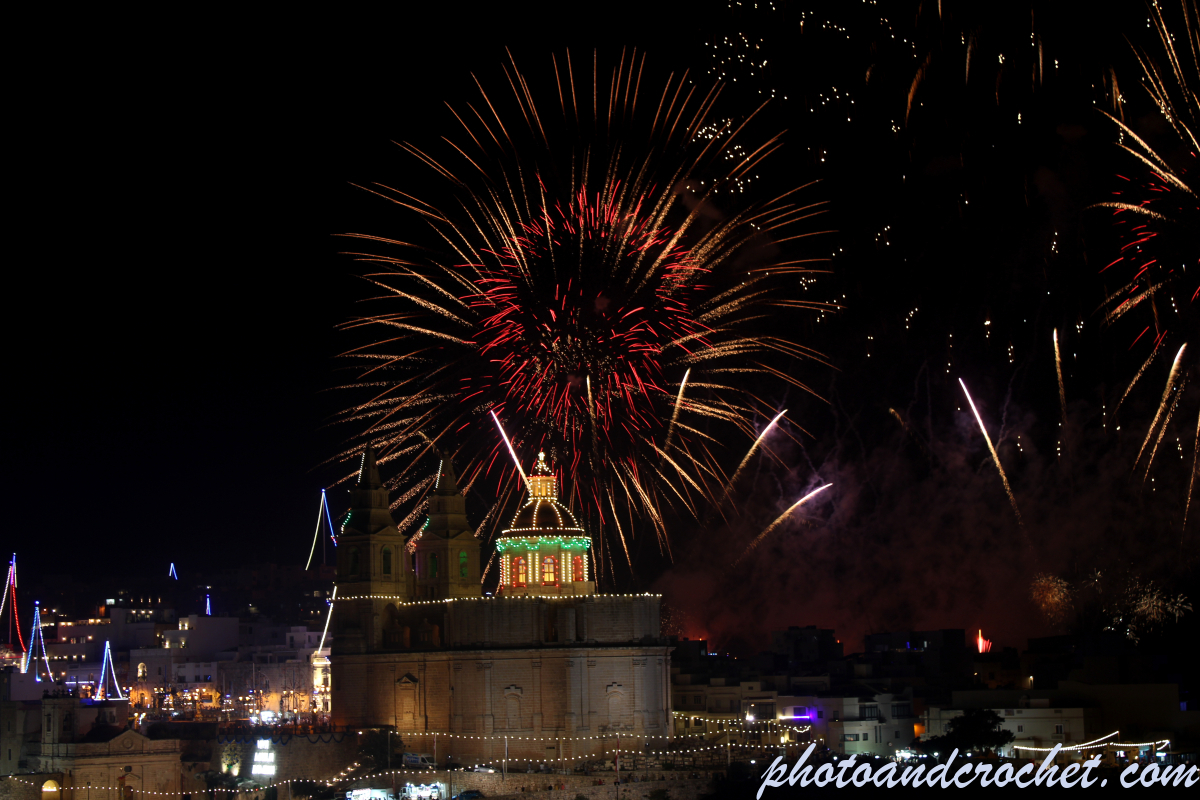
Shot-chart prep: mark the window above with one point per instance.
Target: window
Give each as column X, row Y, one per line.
column 820, row 713
column 387, row 561
column 897, row 736
column 850, row 737
column 1058, row 728
column 549, row 570
column 577, row 568
column 142, row 672
column 1008, row 712
column 1020, row 729
column 433, row 565
column 870, row 712
column 866, row 737
column 518, row 571
column 352, row 560
column 697, row 699
column 462, row 564
column 900, row 710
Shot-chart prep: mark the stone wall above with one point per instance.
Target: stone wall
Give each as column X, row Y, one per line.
column 293, row 757
column 29, row 786
column 538, row 697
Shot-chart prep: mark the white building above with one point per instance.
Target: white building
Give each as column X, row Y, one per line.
column 1036, row 724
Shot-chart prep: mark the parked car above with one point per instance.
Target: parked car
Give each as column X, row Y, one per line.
column 483, row 768
column 469, row 794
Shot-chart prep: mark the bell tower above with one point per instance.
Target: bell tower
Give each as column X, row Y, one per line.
column 371, row 568
column 445, row 552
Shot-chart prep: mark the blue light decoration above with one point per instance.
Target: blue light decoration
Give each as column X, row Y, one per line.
column 171, row 572
column 328, row 518
column 106, row 669
column 208, row 605
column 35, row 637
column 322, row 511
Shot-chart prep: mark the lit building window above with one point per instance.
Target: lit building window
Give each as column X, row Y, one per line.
column 519, row 576
column 577, row 568
column 549, row 570
column 462, row 564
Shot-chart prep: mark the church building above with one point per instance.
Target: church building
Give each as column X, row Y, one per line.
column 548, row 667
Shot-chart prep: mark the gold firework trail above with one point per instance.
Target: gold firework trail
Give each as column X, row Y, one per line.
column 995, row 456
column 1129, row 388
column 675, row 412
column 1191, row 480
column 1162, row 405
column 750, row 452
column 780, row 519
column 1062, row 393
column 1163, row 430
column 513, row 453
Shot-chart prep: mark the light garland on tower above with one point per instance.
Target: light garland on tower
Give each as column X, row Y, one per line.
column 107, row 662
column 35, row 637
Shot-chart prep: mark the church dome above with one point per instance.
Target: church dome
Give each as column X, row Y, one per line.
column 542, row 514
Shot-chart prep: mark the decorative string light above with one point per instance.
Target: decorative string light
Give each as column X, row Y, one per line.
column 481, row 599
column 345, row 773
column 1098, row 743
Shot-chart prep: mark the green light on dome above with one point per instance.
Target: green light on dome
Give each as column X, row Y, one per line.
column 538, row 542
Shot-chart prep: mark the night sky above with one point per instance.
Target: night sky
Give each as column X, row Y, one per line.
column 171, row 327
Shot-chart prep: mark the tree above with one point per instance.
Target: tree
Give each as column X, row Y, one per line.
column 373, row 752
column 977, row 729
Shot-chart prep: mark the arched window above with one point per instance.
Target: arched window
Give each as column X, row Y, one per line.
column 549, row 570
column 353, row 559
column 142, row 672
column 433, row 565
column 577, row 568
column 387, row 561
column 462, row 564
column 518, row 571
column 50, row 786
column 414, row 564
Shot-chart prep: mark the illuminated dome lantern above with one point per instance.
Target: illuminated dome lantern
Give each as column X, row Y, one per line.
column 544, row 551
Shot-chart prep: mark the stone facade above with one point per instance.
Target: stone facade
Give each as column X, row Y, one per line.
column 98, row 758
column 548, row 669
